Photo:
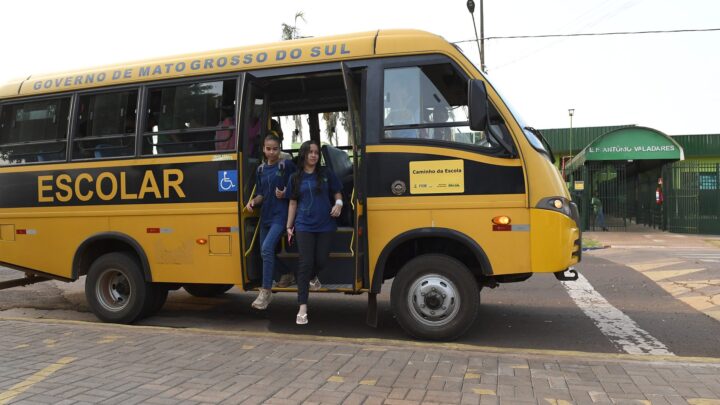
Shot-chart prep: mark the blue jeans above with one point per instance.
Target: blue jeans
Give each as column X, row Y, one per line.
column 269, row 236
column 600, row 219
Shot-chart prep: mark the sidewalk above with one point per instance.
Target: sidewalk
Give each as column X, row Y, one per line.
column 686, row 266
column 62, row 362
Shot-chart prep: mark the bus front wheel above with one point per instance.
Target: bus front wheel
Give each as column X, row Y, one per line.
column 116, row 289
column 435, row 297
column 207, row 290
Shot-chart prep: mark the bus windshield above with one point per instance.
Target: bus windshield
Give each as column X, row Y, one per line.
column 534, row 140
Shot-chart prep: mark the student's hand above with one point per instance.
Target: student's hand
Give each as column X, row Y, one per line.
column 250, row 205
column 335, row 211
column 280, row 193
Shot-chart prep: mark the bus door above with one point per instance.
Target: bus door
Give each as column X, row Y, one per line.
column 356, row 197
column 254, row 112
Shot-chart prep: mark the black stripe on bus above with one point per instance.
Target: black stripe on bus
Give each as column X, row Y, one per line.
column 144, row 184
column 384, row 169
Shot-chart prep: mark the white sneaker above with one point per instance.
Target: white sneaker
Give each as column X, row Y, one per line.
column 315, row 284
column 263, row 299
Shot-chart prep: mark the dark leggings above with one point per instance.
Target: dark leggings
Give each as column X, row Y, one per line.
column 314, row 250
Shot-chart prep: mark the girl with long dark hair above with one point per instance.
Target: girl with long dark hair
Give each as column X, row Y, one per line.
column 271, row 180
column 311, row 219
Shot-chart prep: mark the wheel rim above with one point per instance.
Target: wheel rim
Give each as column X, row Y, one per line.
column 433, row 300
column 113, row 290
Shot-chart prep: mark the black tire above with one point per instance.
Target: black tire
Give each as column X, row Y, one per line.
column 435, row 297
column 160, row 294
column 116, row 289
column 207, row 290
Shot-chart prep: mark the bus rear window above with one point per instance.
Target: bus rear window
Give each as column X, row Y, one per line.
column 34, row 131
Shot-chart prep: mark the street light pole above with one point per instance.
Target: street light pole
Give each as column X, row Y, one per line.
column 482, row 39
column 571, row 112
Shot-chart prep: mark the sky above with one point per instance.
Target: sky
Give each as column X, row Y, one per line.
column 665, row 81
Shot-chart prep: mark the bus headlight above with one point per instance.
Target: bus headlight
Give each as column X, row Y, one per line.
column 558, row 204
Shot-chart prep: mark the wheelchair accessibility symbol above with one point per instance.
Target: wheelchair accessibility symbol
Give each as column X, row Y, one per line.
column 227, row 180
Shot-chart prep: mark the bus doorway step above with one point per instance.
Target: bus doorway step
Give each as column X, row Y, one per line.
column 20, row 282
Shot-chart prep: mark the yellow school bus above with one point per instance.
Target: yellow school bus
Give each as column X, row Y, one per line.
column 136, row 175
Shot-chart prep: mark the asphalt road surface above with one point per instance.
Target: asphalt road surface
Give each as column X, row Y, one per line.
column 539, row 313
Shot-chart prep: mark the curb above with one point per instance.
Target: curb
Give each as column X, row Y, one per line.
column 393, row 343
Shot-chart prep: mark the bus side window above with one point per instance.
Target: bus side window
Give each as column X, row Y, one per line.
column 34, row 131
column 106, row 125
column 190, row 118
column 430, row 102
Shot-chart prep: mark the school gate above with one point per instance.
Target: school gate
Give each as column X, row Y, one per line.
column 625, row 168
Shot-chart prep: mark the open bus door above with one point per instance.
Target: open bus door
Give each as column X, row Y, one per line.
column 357, row 198
column 254, row 112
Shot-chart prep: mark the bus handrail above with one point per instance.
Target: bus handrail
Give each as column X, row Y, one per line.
column 252, row 242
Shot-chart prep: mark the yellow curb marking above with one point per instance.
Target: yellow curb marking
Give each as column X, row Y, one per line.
column 368, row 382
column 109, row 339
column 653, row 265
column 247, row 347
column 336, row 378
column 703, row 401
column 21, row 387
column 665, row 274
column 21, row 346
column 471, row 375
column 49, row 342
column 374, row 349
column 483, row 391
column 553, row 401
column 698, row 302
column 714, row 314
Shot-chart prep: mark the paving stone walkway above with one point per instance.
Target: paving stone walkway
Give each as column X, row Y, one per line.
column 61, row 362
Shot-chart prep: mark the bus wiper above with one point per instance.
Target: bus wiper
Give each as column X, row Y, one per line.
column 544, row 141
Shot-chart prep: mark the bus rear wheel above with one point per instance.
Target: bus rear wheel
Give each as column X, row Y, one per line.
column 116, row 289
column 207, row 290
column 435, row 297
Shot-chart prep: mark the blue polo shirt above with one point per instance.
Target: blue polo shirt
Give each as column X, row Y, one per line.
column 273, row 210
column 313, row 207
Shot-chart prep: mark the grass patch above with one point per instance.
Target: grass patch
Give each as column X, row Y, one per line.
column 714, row 242
column 591, row 243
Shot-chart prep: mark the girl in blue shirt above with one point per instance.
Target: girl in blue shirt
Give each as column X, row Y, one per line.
column 271, row 180
column 311, row 218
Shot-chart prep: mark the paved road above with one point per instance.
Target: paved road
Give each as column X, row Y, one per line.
column 637, row 314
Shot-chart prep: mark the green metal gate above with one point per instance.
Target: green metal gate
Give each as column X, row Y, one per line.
column 692, row 197
column 608, row 181
column 643, row 208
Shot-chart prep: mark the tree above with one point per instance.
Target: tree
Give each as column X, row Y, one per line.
column 289, row 33
column 345, row 122
column 331, row 119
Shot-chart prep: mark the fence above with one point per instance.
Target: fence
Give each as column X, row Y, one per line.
column 692, row 197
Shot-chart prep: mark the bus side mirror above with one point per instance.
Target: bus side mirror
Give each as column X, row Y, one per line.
column 478, row 105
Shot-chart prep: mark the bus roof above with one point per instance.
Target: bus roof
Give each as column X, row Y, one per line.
column 277, row 54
